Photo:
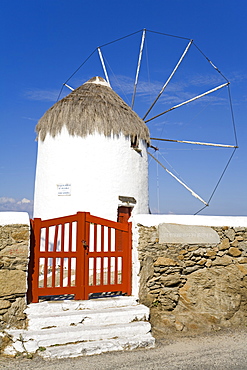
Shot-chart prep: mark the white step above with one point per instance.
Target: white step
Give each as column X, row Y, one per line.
column 97, row 347
column 106, row 316
column 75, row 328
column 70, row 305
column 32, row 340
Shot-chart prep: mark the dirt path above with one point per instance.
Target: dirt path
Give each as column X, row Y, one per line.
column 222, row 350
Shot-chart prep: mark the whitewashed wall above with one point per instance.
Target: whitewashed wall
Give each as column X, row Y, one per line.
column 97, row 168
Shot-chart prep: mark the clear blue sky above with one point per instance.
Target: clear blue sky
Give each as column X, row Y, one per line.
column 44, row 41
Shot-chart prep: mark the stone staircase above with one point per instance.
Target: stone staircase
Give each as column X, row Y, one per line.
column 76, row 328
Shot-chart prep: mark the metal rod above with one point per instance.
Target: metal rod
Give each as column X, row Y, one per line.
column 188, row 101
column 69, row 87
column 103, row 65
column 170, row 77
column 138, row 67
column 195, row 142
column 181, row 182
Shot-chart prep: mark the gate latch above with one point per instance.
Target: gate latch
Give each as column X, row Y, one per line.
column 85, row 246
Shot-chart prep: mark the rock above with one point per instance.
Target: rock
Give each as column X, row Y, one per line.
column 4, row 305
column 211, row 253
column 222, row 261
column 167, row 304
column 217, row 291
column 168, row 298
column 153, row 287
column 12, row 282
column 242, row 268
column 199, row 252
column 189, row 270
column 235, row 252
column 189, row 263
column 192, row 248
column 163, row 261
column 209, row 263
column 20, row 251
column 242, row 245
column 21, row 234
column 242, row 260
column 221, row 253
column 202, row 261
column 224, row 244
column 171, row 279
column 230, row 233
column 162, row 322
column 225, row 227
column 183, row 251
column 178, row 325
column 15, row 317
column 146, row 274
column 234, row 243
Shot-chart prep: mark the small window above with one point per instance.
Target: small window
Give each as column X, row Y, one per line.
column 135, row 143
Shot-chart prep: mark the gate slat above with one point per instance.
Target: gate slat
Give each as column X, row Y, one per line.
column 61, row 272
column 69, row 272
column 53, row 284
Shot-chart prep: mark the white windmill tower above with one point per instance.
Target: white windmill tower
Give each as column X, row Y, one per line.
column 92, row 152
column 92, row 155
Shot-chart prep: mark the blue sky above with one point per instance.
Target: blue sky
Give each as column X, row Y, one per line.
column 44, row 42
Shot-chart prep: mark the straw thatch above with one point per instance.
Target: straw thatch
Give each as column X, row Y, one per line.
column 91, row 108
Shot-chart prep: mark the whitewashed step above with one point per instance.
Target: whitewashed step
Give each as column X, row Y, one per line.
column 91, row 304
column 96, row 348
column 32, row 340
column 107, row 316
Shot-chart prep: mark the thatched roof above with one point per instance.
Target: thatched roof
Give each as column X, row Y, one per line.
column 92, row 107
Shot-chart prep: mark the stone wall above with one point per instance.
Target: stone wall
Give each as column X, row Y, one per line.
column 194, row 287
column 14, row 252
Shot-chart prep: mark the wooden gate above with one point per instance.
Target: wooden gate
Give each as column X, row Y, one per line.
column 79, row 255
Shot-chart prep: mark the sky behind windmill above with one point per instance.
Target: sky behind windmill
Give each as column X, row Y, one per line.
column 44, row 41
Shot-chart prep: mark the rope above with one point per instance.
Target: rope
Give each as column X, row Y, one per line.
column 121, row 38
column 158, row 187
column 74, row 73
column 117, row 82
column 81, row 65
column 233, row 120
column 166, row 34
column 212, row 64
column 216, row 186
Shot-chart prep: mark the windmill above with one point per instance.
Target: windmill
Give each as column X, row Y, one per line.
column 162, row 94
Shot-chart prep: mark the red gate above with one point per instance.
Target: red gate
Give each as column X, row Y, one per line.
column 79, row 255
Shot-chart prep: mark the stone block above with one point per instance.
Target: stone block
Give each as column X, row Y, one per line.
column 163, row 261
column 171, row 279
column 224, row 244
column 211, row 253
column 187, row 234
column 222, row 261
column 230, row 233
column 12, row 282
column 4, row 305
column 235, row 252
column 20, row 251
